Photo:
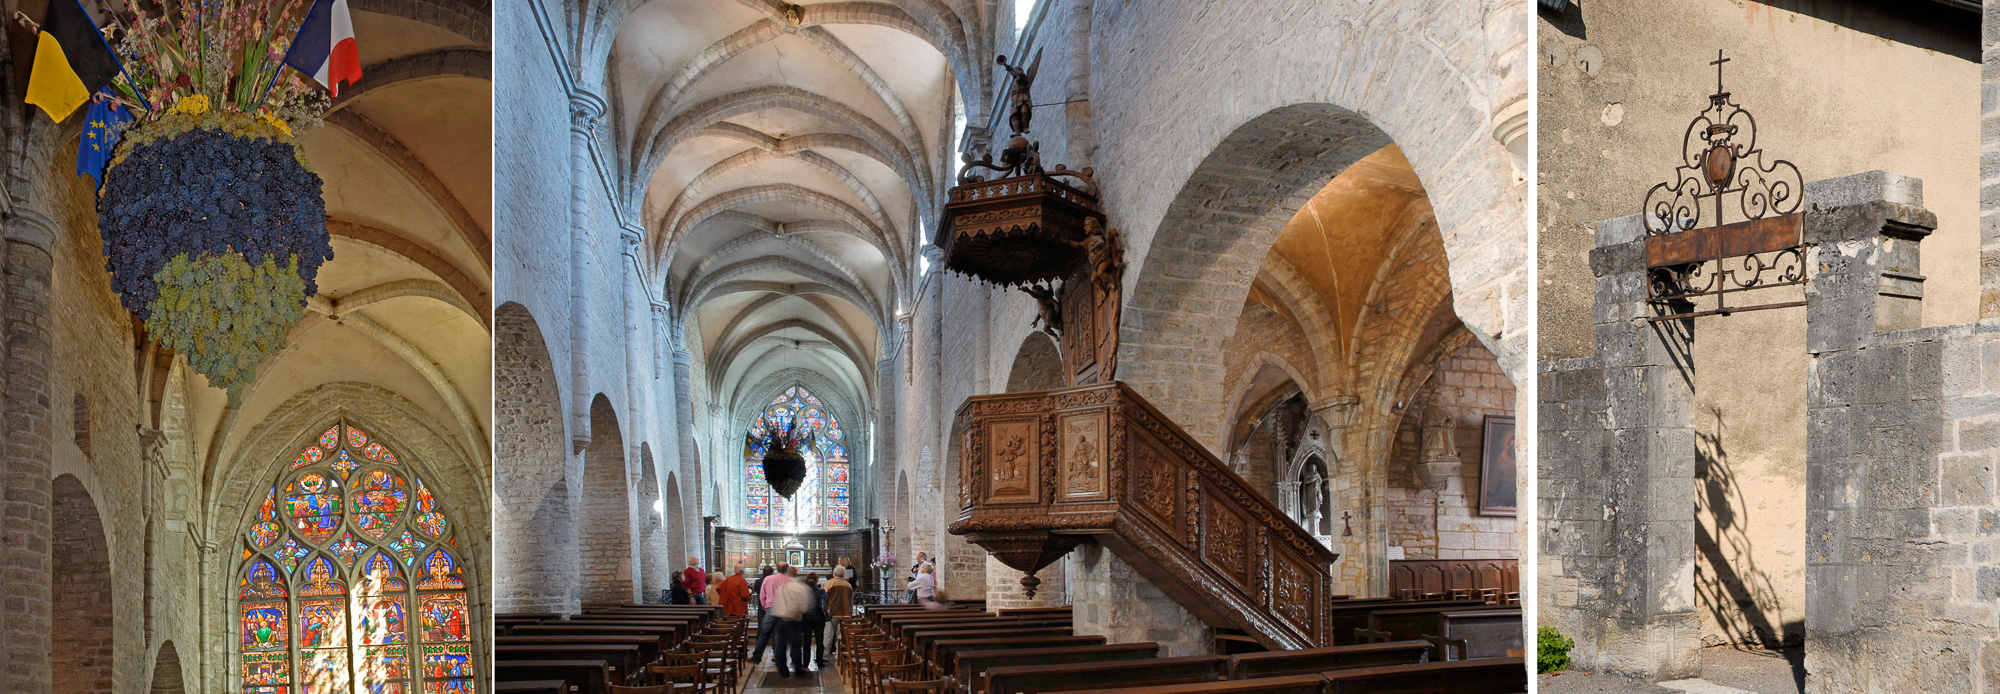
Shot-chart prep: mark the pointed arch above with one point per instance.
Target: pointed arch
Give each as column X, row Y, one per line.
column 824, row 499
column 352, row 571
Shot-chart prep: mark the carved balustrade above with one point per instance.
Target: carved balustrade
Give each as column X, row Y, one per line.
column 1042, row 472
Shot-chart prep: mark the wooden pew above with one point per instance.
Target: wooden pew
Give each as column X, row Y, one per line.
column 669, row 637
column 1293, row 684
column 1103, row 675
column 924, row 643
column 1414, row 623
column 531, row 687
column 1036, row 612
column 622, row 662
column 649, row 648
column 1343, row 619
column 1485, row 676
column 578, row 676
column 1478, row 633
column 1285, row 663
column 970, row 664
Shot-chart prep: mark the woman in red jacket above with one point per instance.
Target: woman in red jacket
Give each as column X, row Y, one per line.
column 735, row 593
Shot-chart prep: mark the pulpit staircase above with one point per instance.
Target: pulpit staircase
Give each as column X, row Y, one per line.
column 1042, row 472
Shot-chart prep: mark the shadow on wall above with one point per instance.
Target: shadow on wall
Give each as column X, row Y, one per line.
column 1733, row 589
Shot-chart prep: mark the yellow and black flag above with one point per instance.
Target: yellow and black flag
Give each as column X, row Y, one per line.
column 71, row 61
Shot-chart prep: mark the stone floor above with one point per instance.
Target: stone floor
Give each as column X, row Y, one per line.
column 764, row 679
column 1724, row 671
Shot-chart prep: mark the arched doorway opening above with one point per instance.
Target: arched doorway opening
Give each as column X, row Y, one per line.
column 167, row 671
column 80, row 610
column 534, row 532
column 656, row 560
column 608, row 550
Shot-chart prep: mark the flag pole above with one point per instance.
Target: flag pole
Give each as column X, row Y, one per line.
column 268, row 31
column 136, row 91
column 288, row 53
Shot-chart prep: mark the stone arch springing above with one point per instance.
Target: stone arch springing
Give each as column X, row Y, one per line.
column 167, row 671
column 80, row 423
column 1204, row 256
column 607, row 569
column 535, row 532
column 1037, row 365
column 81, row 614
column 656, row 557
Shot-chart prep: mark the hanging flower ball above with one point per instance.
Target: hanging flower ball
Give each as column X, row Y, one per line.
column 201, row 207
column 226, row 315
column 785, row 469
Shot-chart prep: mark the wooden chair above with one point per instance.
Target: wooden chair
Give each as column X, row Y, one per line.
column 884, row 674
column 717, row 663
column 680, row 678
column 872, row 662
column 940, row 686
column 661, row 689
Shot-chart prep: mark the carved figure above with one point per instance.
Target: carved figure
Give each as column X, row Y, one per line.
column 1439, row 433
column 1051, row 310
column 1020, row 104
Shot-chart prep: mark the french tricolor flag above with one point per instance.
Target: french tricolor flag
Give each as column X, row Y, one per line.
column 324, row 47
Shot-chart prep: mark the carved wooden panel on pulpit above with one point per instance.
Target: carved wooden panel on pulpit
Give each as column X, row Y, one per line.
column 1292, row 597
column 1012, row 448
column 1226, row 545
column 1155, row 482
column 1082, row 455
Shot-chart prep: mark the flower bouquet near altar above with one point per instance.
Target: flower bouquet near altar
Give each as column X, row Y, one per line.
column 884, row 563
column 212, row 219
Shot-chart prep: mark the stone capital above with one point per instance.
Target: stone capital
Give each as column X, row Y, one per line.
column 585, row 109
column 28, row 225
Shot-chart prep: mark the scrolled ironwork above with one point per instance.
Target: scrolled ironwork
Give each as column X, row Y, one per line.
column 1697, row 249
column 1720, row 159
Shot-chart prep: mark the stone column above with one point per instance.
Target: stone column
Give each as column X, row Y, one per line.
column 1989, row 169
column 1638, row 560
column 684, row 413
column 639, row 407
column 26, row 454
column 584, row 111
column 1878, row 576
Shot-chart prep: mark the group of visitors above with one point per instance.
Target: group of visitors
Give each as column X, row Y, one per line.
column 690, row 586
column 795, row 612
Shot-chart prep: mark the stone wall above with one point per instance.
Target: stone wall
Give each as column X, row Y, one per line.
column 1468, row 386
column 562, row 258
column 1114, row 601
column 1900, row 506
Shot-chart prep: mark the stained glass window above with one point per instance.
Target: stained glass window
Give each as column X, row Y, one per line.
column 350, row 581
column 823, row 499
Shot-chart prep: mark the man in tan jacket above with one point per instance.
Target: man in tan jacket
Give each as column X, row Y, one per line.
column 839, row 603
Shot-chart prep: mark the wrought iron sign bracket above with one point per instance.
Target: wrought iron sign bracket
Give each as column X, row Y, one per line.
column 1697, row 249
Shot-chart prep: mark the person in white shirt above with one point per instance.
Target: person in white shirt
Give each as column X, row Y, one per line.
column 924, row 586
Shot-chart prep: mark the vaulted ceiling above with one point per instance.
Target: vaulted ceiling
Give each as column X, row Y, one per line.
column 405, row 304
column 784, row 159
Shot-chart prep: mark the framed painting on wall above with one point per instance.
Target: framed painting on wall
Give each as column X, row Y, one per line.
column 1496, row 467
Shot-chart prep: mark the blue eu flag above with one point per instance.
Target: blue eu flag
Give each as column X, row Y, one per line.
column 100, row 135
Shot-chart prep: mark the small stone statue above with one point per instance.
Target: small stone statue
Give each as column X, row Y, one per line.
column 1439, row 435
